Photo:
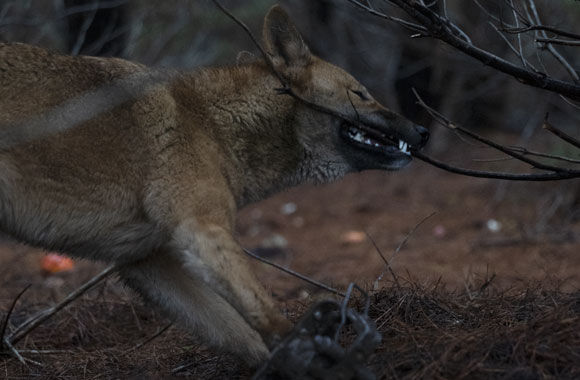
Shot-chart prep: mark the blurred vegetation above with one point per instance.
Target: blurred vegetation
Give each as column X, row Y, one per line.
column 186, row 34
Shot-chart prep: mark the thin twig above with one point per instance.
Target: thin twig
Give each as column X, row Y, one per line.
column 32, row 323
column 148, row 340
column 45, row 352
column 448, row 124
column 10, row 310
column 518, row 36
column 406, row 24
column 368, row 126
column 546, row 28
column 561, row 134
column 404, row 241
column 387, row 263
column 266, row 56
column 552, row 176
column 441, row 28
column 522, row 150
column 295, row 274
column 569, row 102
column 13, row 351
column 558, row 41
column 401, row 244
column 555, row 53
column 429, row 18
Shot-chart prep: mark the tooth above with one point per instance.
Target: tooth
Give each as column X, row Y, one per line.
column 401, row 144
column 368, row 141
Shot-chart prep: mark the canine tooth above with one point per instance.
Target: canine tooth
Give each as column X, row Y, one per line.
column 401, row 144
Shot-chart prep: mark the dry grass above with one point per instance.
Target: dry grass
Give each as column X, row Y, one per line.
column 428, row 333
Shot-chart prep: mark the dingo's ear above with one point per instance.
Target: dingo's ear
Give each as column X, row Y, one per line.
column 283, row 40
column 245, row 57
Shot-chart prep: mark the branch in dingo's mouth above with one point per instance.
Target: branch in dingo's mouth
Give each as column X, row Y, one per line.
column 287, row 89
column 424, row 16
column 554, row 172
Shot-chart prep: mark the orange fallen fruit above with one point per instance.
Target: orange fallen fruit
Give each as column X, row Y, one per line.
column 353, row 237
column 55, row 263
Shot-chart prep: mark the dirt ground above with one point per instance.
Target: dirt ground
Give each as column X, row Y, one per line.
column 513, row 232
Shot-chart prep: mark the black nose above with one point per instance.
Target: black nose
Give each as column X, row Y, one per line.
column 424, row 133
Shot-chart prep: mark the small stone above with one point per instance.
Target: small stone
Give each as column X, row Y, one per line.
column 298, row 222
column 256, row 214
column 274, row 241
column 254, row 231
column 288, row 208
column 493, row 225
column 439, row 231
column 353, row 237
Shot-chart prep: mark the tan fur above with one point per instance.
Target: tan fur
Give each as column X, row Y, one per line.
column 109, row 160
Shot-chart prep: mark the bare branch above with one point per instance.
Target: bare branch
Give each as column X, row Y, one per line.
column 553, row 176
column 546, row 28
column 448, row 124
column 524, row 151
column 558, row 41
column 439, row 28
column 559, row 57
column 443, row 29
column 561, row 134
column 406, row 24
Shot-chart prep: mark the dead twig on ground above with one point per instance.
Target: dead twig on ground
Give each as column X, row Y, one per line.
column 29, row 325
column 387, row 264
column 397, row 250
column 9, row 312
column 152, row 337
column 295, row 274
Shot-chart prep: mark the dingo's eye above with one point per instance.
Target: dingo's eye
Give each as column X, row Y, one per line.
column 360, row 94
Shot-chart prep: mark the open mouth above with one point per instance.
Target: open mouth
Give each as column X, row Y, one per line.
column 376, row 142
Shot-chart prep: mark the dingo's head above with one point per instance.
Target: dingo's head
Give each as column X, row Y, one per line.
column 377, row 139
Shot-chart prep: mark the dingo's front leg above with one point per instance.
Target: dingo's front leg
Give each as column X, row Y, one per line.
column 163, row 280
column 211, row 253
